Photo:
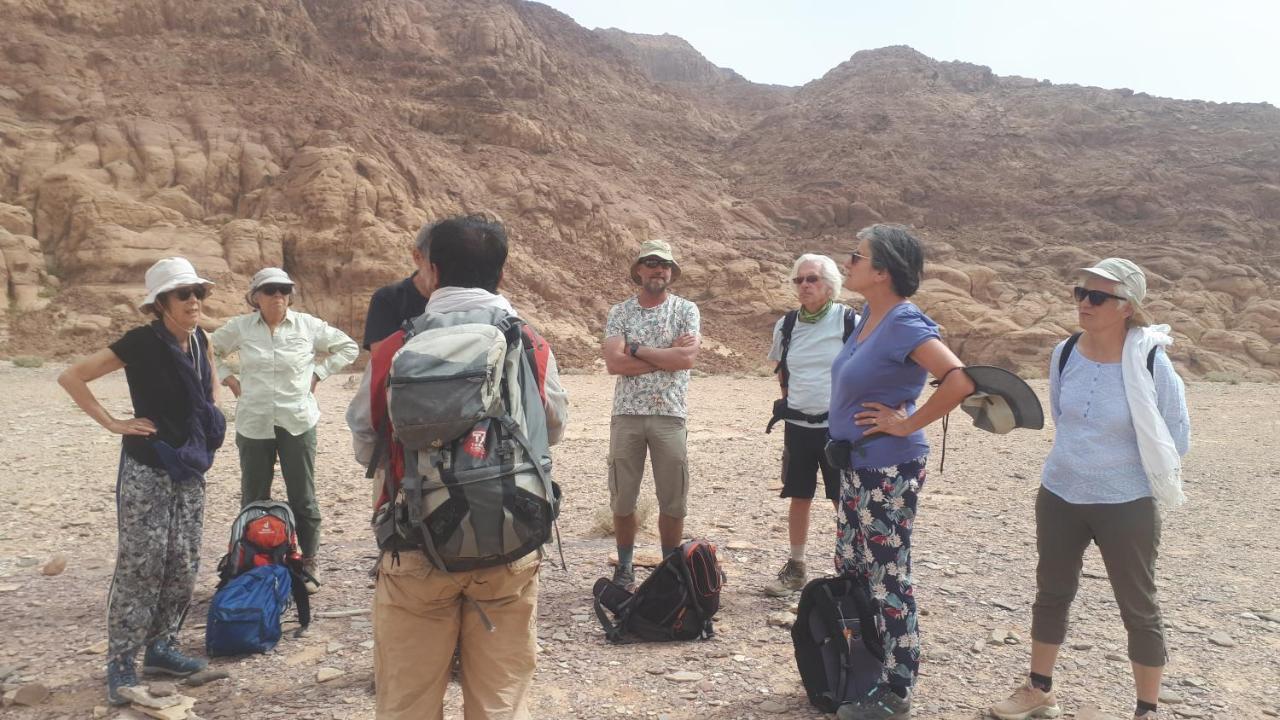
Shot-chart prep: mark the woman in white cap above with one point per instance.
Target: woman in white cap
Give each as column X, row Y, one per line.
column 168, row 445
column 1121, row 428
column 277, row 412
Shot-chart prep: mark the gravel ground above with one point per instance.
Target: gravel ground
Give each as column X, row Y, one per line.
column 974, row 558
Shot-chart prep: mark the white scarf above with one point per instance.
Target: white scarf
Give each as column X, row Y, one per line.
column 1159, row 455
column 454, row 299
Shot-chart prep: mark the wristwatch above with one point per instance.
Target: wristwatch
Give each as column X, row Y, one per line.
column 633, row 348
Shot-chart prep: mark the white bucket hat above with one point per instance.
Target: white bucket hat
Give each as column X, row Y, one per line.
column 167, row 274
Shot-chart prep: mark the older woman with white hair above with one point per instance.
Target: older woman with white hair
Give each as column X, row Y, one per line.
column 1121, row 421
column 277, row 412
column 805, row 341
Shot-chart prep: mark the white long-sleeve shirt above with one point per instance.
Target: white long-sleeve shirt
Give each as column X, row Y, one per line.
column 275, row 369
column 1095, row 457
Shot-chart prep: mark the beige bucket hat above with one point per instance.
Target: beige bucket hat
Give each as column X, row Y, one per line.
column 659, row 249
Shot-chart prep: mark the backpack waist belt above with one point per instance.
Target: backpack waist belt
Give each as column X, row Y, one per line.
column 782, row 412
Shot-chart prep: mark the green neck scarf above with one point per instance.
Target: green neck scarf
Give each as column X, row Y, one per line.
column 808, row 317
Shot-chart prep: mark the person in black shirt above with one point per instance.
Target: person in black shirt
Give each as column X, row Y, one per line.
column 391, row 305
column 168, row 445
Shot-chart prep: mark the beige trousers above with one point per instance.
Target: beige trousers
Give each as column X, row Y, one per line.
column 421, row 614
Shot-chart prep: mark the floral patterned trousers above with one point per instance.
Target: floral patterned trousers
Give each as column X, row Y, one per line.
column 873, row 537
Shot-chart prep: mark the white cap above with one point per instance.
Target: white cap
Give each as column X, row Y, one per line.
column 1133, row 283
column 269, row 276
column 167, row 274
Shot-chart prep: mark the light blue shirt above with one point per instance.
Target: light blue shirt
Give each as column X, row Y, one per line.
column 1095, row 457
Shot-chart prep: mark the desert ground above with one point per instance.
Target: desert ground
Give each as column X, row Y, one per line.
column 974, row 569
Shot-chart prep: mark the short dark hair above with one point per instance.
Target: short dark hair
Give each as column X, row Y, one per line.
column 468, row 252
column 895, row 250
column 158, row 306
column 423, row 239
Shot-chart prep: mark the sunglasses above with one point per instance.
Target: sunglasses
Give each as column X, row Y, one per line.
column 184, row 293
column 856, row 257
column 1096, row 297
column 654, row 262
column 285, row 290
column 811, row 279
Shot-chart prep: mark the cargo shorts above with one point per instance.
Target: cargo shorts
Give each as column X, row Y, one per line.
column 665, row 438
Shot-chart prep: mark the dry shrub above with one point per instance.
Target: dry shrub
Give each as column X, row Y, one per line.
column 28, row 361
column 645, row 511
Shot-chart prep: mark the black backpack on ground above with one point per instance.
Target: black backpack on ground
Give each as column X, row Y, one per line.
column 676, row 602
column 837, row 643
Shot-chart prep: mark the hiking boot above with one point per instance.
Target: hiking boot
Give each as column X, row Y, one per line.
column 624, row 576
column 881, row 704
column 120, row 674
column 163, row 657
column 312, row 583
column 1027, row 701
column 790, row 579
column 1146, row 715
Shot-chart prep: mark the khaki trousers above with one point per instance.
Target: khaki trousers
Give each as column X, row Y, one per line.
column 420, row 614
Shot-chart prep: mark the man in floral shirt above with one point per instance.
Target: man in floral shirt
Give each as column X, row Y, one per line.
column 651, row 341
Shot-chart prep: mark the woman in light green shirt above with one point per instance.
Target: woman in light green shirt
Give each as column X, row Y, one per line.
column 277, row 412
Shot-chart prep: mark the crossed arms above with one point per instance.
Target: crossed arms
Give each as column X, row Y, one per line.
column 680, row 356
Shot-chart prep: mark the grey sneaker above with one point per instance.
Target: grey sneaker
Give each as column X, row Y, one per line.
column 121, row 673
column 311, row 583
column 1026, row 702
column 161, row 657
column 881, row 704
column 790, row 579
column 624, row 576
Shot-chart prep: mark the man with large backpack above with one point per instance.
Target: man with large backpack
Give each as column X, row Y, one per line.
column 455, row 414
column 805, row 341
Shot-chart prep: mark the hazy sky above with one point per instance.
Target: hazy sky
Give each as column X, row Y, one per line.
column 1223, row 50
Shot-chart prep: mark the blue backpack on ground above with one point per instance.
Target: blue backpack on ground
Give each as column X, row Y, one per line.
column 244, row 616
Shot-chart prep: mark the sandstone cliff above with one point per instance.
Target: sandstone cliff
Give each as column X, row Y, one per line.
column 319, row 134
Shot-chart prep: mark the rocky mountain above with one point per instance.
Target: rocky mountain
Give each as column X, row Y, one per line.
column 320, row 134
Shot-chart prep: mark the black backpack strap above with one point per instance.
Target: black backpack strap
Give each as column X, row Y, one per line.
column 850, row 324
column 1067, row 347
column 1070, row 345
column 788, row 326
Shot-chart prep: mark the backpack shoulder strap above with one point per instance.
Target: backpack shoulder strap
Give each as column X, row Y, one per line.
column 788, row 326
column 380, row 358
column 1071, row 345
column 850, row 324
column 538, row 352
column 1066, row 352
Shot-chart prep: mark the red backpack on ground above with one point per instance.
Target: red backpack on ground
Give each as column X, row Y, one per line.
column 264, row 533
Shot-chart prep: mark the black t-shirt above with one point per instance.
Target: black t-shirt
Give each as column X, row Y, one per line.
column 390, row 307
column 156, row 389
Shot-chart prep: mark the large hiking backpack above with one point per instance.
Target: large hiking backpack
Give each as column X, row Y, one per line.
column 244, row 616
column 837, row 643
column 264, row 535
column 676, row 602
column 464, row 404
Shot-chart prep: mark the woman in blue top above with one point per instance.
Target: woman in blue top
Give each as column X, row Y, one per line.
column 875, row 381
column 1121, row 427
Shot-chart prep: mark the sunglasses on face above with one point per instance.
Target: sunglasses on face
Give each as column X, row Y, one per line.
column 654, row 262
column 1096, row 297
column 811, row 279
column 856, row 257
column 285, row 290
column 184, row 293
